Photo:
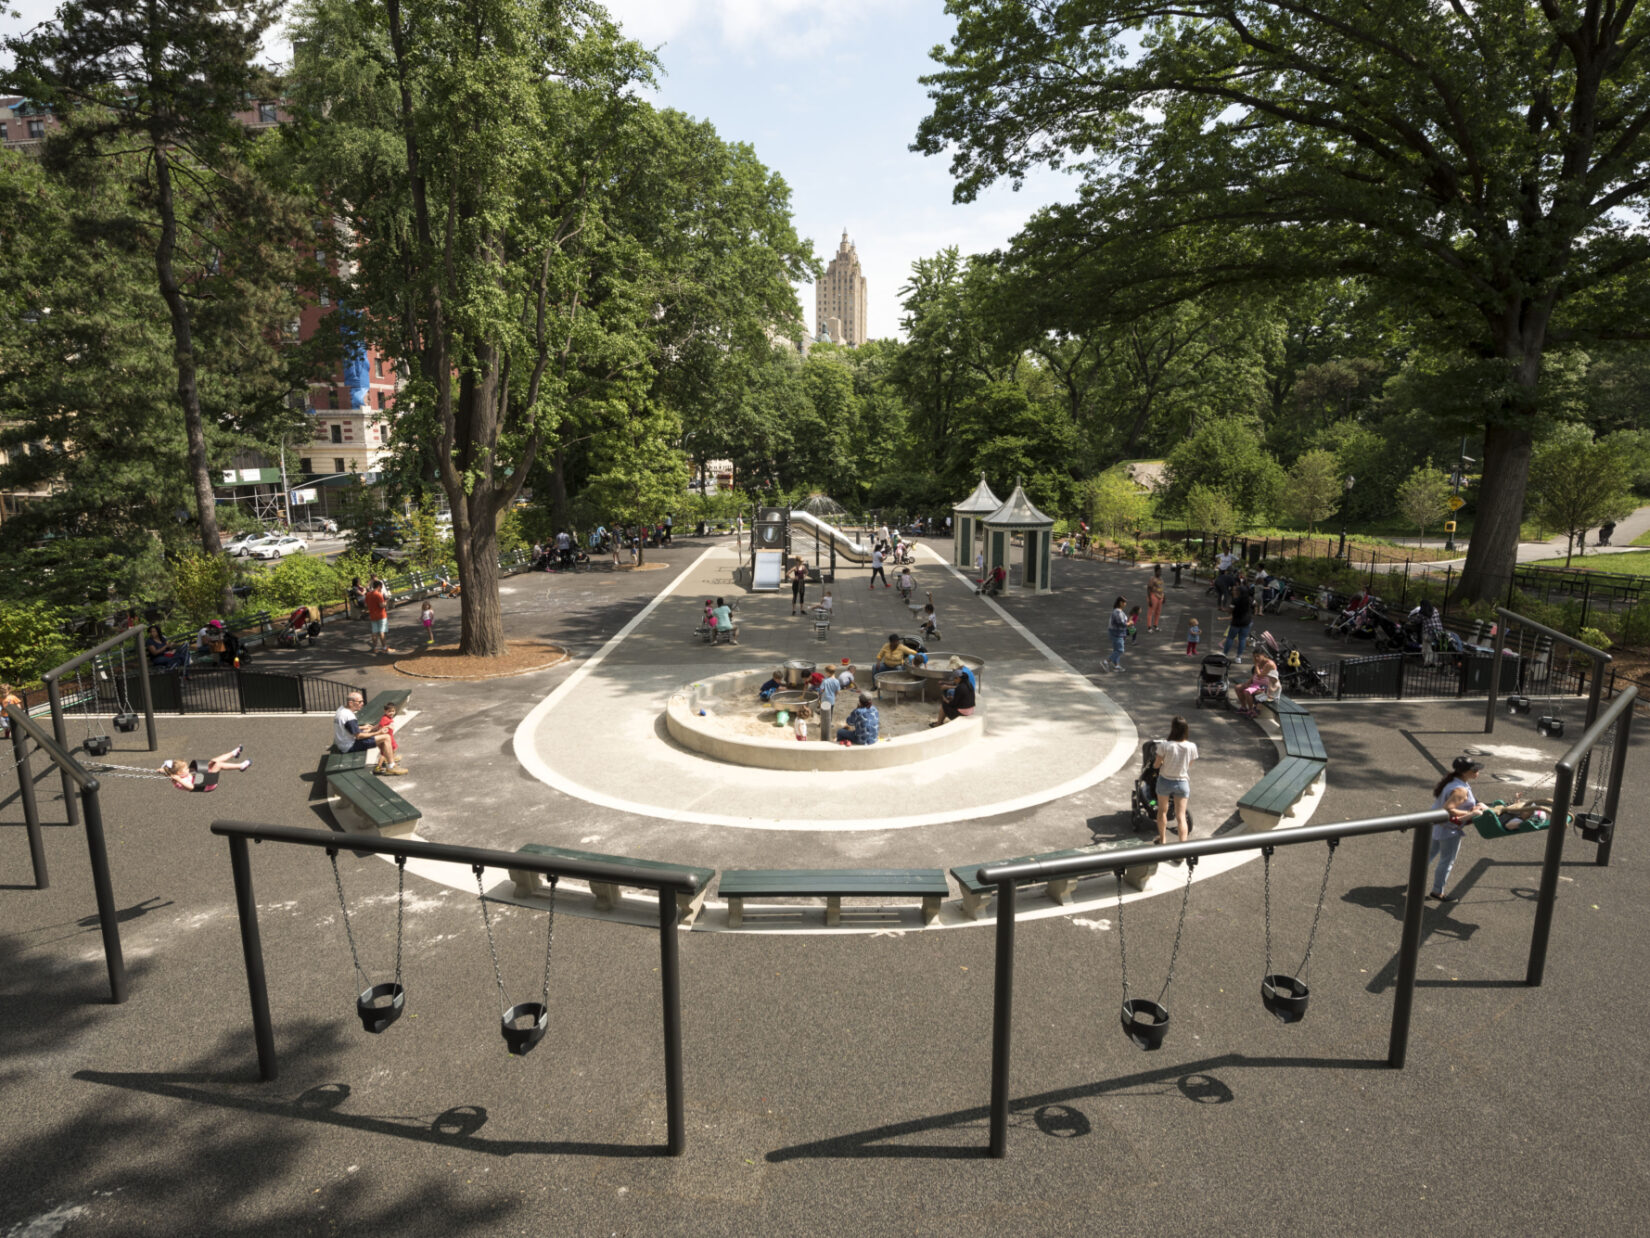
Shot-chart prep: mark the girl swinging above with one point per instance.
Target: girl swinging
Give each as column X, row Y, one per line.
column 202, row 775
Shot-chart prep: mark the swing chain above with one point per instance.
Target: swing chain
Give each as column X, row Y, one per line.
column 355, row 956
column 400, row 909
column 1312, row 933
column 1267, row 904
column 549, row 941
column 1179, row 928
column 1122, row 943
column 492, row 948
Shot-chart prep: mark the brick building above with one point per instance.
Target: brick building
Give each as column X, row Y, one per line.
column 839, row 298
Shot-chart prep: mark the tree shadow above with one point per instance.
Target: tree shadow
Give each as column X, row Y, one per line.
column 1053, row 1114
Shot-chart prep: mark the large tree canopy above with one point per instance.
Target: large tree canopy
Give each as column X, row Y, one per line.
column 1480, row 165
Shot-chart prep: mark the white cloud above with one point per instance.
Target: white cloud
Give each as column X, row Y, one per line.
column 778, row 28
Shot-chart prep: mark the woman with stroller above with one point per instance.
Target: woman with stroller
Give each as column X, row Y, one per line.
column 1174, row 778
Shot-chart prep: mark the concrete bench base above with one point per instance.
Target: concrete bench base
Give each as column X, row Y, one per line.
column 607, row 894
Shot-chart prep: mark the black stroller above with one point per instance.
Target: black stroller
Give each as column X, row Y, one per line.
column 1213, row 681
column 1143, row 795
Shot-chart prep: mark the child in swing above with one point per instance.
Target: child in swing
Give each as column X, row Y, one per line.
column 202, row 775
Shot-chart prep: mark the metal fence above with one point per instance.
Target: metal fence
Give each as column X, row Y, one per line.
column 219, row 690
column 1397, row 676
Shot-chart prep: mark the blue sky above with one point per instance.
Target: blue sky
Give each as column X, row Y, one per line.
column 827, row 93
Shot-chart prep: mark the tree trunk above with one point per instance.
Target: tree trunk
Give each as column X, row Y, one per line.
column 1493, row 551
column 481, row 626
column 183, row 357
column 560, row 509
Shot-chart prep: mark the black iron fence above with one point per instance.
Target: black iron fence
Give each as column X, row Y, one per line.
column 217, row 690
column 1397, row 676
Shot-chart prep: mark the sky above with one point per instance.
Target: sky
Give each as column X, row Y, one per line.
column 827, row 94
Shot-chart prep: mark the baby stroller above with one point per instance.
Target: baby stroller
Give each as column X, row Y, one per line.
column 1299, row 677
column 1213, row 682
column 299, row 627
column 1143, row 795
column 992, row 585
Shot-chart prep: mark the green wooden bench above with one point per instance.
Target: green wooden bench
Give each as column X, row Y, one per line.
column 373, row 710
column 344, row 763
column 607, row 892
column 1275, row 796
column 976, row 893
column 1301, row 738
column 833, row 885
column 257, row 626
column 1283, row 705
column 367, row 804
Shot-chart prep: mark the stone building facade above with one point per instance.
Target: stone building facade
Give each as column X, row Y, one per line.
column 839, row 297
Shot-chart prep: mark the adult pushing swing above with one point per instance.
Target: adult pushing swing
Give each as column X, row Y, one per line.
column 377, row 1005
column 1284, row 995
column 1146, row 1022
column 523, row 1023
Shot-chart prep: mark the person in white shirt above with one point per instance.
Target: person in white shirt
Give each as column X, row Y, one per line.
column 1174, row 772
column 349, row 734
column 876, row 569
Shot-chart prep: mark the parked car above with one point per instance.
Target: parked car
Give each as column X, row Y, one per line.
column 388, row 554
column 241, row 546
column 279, row 547
column 316, row 524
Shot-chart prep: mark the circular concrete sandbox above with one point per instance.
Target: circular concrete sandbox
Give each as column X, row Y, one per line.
column 736, row 690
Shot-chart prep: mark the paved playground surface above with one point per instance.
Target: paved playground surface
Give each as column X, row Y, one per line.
column 834, row 1081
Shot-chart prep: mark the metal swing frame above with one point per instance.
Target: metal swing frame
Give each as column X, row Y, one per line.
column 239, row 833
column 54, row 695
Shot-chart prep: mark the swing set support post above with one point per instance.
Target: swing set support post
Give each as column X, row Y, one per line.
column 60, row 732
column 102, row 882
column 252, row 949
column 1409, row 948
column 1564, row 798
column 31, row 810
column 1612, row 792
column 1002, row 1018
column 1006, row 877
column 670, row 991
column 1595, row 689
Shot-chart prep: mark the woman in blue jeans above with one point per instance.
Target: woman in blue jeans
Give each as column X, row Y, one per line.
column 1118, row 630
column 1454, row 794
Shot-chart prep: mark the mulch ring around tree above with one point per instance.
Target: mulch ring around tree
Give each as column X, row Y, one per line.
column 446, row 662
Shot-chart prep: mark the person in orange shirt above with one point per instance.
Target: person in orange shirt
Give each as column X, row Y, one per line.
column 378, row 616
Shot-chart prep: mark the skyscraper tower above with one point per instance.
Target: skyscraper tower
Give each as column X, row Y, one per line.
column 840, row 294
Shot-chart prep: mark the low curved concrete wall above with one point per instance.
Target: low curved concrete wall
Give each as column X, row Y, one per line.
column 698, row 734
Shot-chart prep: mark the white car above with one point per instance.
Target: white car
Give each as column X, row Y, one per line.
column 242, row 545
column 277, row 547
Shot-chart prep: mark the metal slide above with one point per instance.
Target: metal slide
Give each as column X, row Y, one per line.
column 854, row 552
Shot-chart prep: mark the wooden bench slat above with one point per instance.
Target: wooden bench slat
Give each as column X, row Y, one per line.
column 526, row 882
column 1282, row 786
column 371, row 803
column 976, row 893
column 1301, row 737
column 823, row 882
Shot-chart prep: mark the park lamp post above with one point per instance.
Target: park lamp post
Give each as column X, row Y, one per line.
column 1456, row 478
column 1349, row 480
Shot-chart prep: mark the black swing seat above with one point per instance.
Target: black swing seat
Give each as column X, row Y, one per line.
column 1284, row 996
column 98, row 745
column 381, row 1005
column 1594, row 827
column 1145, row 1022
column 126, row 722
column 520, row 1040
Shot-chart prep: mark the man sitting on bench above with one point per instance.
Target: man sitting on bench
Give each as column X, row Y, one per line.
column 349, row 734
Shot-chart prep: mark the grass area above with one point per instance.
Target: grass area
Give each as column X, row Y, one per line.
column 1643, row 539
column 1630, row 564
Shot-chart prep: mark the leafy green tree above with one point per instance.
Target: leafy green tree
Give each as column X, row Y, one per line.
column 199, row 583
column 1227, row 458
column 640, row 477
column 1484, row 167
column 297, row 580
column 1116, row 506
column 1315, row 487
column 31, row 641
column 473, row 151
column 1209, row 510
column 1577, row 481
column 1424, row 497
column 154, row 87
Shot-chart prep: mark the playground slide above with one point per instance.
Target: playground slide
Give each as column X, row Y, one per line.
column 854, row 552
